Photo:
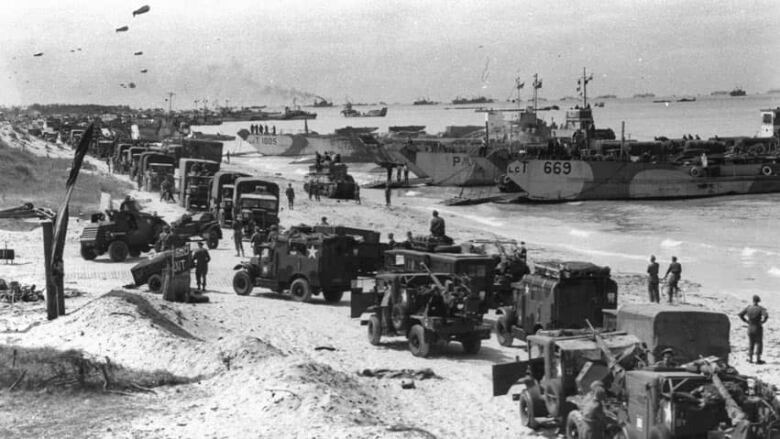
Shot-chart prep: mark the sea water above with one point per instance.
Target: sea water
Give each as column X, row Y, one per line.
column 730, row 245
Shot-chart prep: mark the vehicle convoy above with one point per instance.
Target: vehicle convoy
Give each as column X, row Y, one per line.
column 256, row 202
column 425, row 307
column 557, row 295
column 301, row 263
column 194, row 177
column 130, row 233
column 331, row 180
column 697, row 399
column 221, row 189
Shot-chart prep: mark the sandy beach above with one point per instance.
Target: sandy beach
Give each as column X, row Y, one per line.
column 263, row 366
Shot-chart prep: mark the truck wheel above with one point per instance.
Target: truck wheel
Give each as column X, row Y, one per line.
column 417, row 344
column 300, row 290
column 374, row 330
column 471, row 345
column 155, row 283
column 88, row 254
column 527, row 414
column 333, row 296
column 575, row 425
column 242, row 283
column 212, row 240
column 504, row 330
column 118, row 251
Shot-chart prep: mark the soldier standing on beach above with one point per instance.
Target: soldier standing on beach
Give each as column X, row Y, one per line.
column 406, row 175
column 201, row 258
column 357, row 194
column 437, row 225
column 290, row 192
column 388, row 193
column 755, row 316
column 238, row 235
column 652, row 281
column 675, row 269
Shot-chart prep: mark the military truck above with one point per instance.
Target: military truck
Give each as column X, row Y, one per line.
column 425, row 308
column 256, row 202
column 194, row 177
column 118, row 160
column 331, row 180
column 511, row 266
column 221, row 190
column 556, row 295
column 301, row 263
column 201, row 224
column 370, row 251
column 208, row 150
column 692, row 332
column 478, row 270
column 120, row 233
column 132, row 155
column 154, row 168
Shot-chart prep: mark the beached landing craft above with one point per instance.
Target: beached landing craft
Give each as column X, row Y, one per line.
column 698, row 169
column 351, row 146
column 465, row 156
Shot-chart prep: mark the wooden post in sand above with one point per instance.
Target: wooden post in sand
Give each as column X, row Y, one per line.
column 51, row 289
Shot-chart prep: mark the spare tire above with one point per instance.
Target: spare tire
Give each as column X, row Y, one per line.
column 696, row 171
column 767, row 170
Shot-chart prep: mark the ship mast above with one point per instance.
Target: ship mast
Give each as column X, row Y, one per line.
column 582, row 86
column 537, row 86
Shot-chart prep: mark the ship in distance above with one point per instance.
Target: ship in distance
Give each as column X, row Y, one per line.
column 588, row 168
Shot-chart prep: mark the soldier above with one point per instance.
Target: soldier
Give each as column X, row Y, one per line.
column 391, row 241
column 437, row 225
column 406, row 175
column 387, row 194
column 755, row 316
column 238, row 235
column 256, row 240
column 273, row 235
column 324, row 221
column 523, row 253
column 652, row 281
column 290, row 192
column 593, row 416
column 676, row 270
column 201, row 258
column 357, row 194
column 666, row 360
column 164, row 241
column 128, row 205
column 408, row 243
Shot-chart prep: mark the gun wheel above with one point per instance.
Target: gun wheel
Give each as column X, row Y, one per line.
column 504, row 330
column 527, row 414
column 417, row 343
column 575, row 425
column 242, row 283
column 374, row 330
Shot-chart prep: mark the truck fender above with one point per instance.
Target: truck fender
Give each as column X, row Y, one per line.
column 240, row 266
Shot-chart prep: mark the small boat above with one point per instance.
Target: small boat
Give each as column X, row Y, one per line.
column 424, row 101
column 355, row 130
column 348, row 111
column 737, row 92
column 686, row 100
column 661, row 101
column 477, row 100
column 321, row 102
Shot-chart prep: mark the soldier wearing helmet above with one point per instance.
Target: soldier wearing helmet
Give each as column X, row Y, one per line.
column 593, row 416
column 755, row 316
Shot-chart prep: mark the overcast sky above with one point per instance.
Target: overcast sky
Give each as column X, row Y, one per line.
column 252, row 52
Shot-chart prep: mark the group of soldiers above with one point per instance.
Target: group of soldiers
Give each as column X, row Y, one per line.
column 672, row 277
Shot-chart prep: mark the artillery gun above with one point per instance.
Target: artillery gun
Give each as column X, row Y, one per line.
column 425, row 307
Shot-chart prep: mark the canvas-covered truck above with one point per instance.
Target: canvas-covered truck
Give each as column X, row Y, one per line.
column 301, row 263
column 155, row 167
column 556, row 295
column 256, row 202
column 221, row 189
column 692, row 332
column 194, row 176
column 424, row 307
column 370, row 251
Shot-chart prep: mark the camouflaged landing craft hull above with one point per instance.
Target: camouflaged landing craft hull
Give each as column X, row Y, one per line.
column 571, row 180
column 351, row 148
column 451, row 168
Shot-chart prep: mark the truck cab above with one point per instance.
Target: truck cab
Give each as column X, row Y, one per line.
column 221, row 189
column 256, row 202
column 194, row 177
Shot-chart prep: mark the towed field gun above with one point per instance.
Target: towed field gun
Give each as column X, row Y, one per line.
column 701, row 398
column 426, row 307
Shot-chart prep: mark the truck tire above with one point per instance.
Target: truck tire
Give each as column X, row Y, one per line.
column 374, row 330
column 88, row 254
column 333, row 296
column 242, row 283
column 418, row 346
column 527, row 413
column 504, row 330
column 155, row 283
column 471, row 345
column 300, row 290
column 575, row 425
column 212, row 240
column 118, row 251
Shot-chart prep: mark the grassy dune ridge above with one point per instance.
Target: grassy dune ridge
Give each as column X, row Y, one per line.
column 26, row 177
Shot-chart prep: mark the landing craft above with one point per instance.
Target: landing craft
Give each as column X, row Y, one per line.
column 39, row 54
column 122, row 29
column 131, row 85
column 138, row 53
column 144, row 71
column 142, row 10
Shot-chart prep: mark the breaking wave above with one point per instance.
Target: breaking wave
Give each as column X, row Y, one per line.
column 774, row 271
column 580, row 233
column 670, row 243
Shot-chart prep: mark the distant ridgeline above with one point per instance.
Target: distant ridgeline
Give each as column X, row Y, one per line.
column 78, row 108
